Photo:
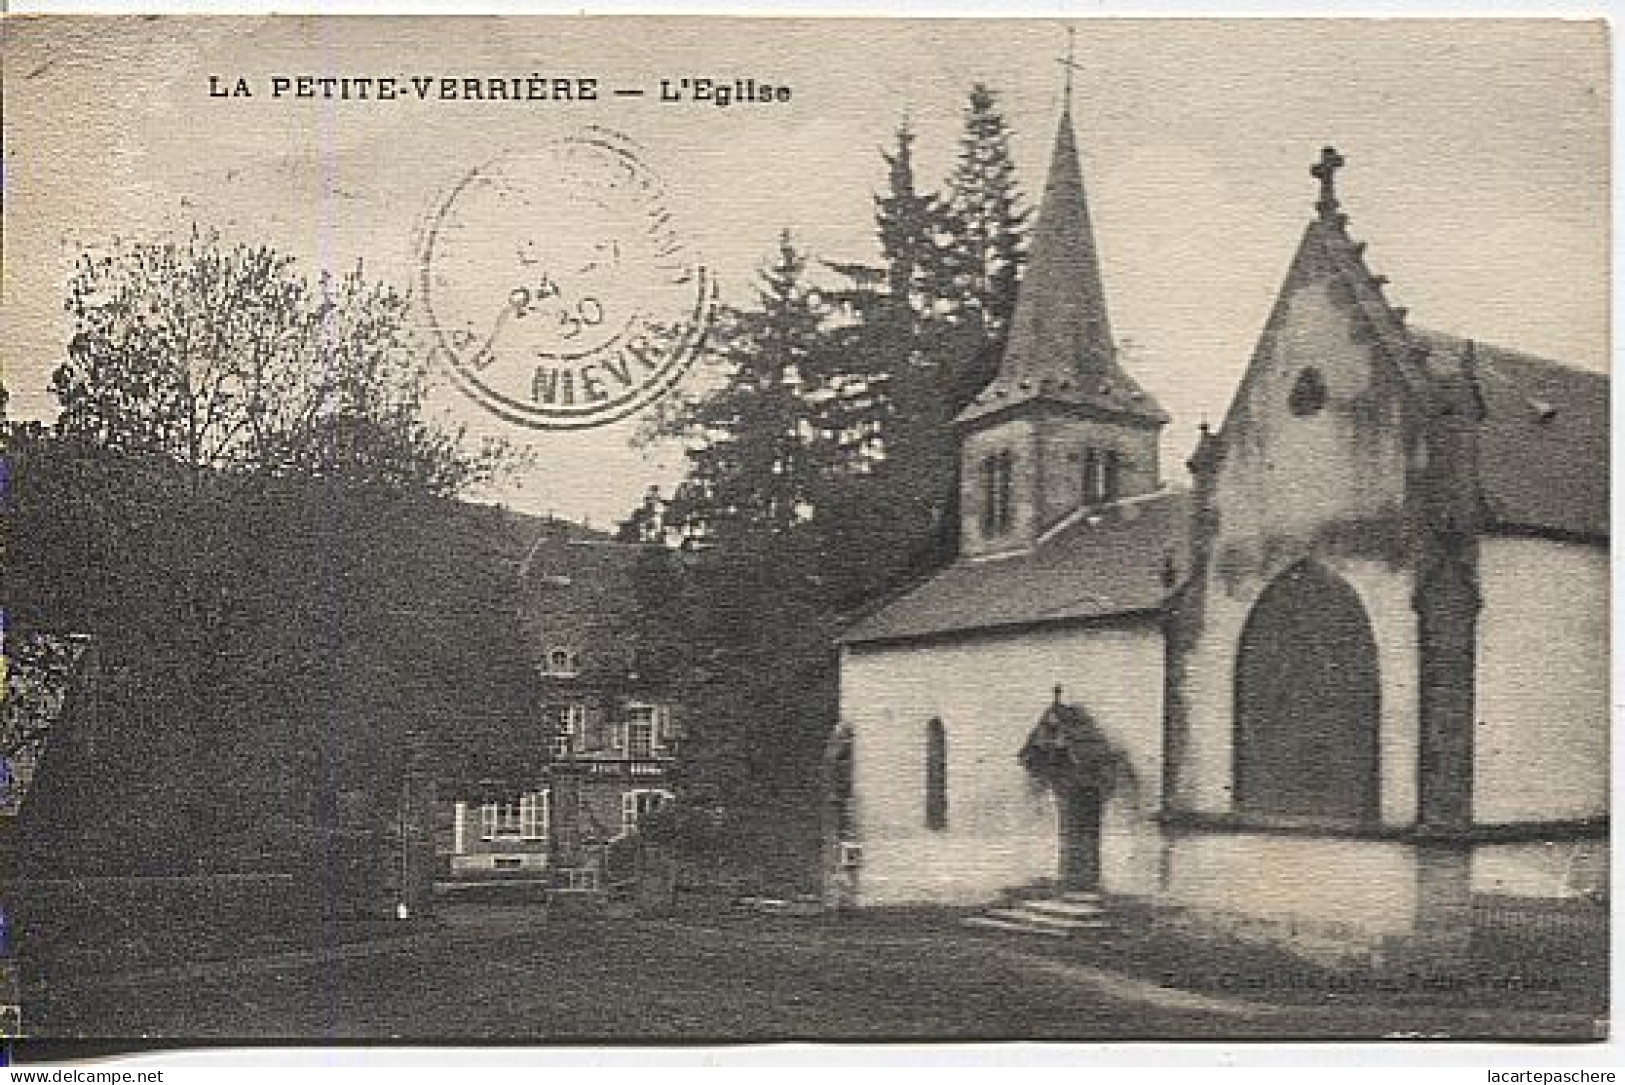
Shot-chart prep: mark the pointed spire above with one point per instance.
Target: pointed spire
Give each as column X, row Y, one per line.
column 1060, row 344
column 1060, row 329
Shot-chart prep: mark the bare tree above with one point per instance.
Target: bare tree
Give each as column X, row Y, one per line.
column 227, row 357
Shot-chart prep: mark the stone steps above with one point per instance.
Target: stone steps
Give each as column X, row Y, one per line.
column 1057, row 917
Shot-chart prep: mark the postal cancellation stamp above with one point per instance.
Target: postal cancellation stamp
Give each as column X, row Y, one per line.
column 559, row 289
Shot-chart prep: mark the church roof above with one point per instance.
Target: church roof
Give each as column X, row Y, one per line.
column 1543, row 441
column 1112, row 562
column 1060, row 347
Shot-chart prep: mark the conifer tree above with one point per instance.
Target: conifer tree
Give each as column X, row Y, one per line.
column 989, row 220
column 988, row 225
column 755, row 457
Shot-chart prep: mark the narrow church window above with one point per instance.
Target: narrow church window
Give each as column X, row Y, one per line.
column 1308, row 393
column 989, row 492
column 936, row 776
column 1006, row 490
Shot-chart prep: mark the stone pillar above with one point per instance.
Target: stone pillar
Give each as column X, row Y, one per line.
column 1447, row 516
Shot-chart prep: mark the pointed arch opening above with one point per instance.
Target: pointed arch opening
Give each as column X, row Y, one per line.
column 1307, row 702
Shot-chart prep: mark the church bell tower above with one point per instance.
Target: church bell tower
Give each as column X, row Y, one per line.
column 1061, row 427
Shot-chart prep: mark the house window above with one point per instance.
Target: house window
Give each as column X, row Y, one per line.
column 1102, row 474
column 639, row 803
column 936, row 775
column 648, row 728
column 523, row 820
column 563, row 662
column 998, row 506
column 569, row 729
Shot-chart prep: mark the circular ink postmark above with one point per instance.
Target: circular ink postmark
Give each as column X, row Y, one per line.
column 557, row 287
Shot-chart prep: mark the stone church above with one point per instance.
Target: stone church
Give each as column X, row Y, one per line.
column 1351, row 679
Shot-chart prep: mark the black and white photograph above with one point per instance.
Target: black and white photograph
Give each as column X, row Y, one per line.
column 666, row 530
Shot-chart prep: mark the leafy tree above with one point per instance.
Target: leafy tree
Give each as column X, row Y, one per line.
column 244, row 502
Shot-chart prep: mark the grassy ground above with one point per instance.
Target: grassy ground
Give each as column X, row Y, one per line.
column 507, row 974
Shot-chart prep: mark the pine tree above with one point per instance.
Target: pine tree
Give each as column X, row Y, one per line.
column 756, row 456
column 927, row 333
column 988, row 224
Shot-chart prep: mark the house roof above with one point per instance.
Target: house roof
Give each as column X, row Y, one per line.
column 1096, row 565
column 1543, row 441
column 1060, row 346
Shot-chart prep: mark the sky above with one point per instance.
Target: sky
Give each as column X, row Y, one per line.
column 1477, row 167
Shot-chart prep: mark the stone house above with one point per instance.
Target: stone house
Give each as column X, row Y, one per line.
column 605, row 731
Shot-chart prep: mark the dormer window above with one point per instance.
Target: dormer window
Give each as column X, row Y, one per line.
column 998, row 504
column 563, row 663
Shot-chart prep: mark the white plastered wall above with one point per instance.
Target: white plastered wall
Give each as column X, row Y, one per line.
column 990, row 692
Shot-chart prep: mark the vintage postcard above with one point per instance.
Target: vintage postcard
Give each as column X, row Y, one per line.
column 539, row 530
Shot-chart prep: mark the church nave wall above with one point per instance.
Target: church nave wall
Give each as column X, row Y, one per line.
column 1541, row 742
column 989, row 693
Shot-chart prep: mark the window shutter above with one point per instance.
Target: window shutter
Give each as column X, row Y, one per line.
column 527, row 816
column 629, row 810
column 488, row 820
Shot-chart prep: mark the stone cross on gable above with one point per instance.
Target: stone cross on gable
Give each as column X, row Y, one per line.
column 1325, row 171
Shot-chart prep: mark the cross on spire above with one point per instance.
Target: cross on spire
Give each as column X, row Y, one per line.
column 1069, row 63
column 1325, row 171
